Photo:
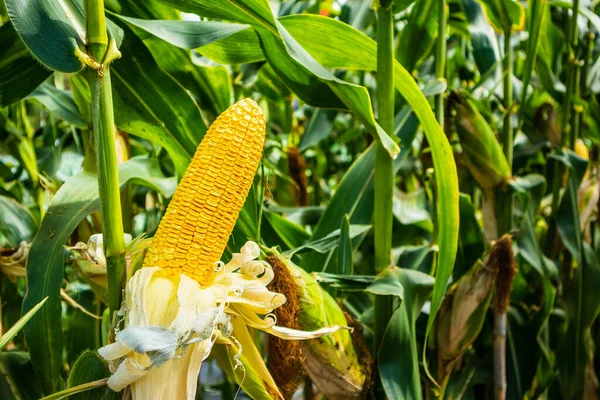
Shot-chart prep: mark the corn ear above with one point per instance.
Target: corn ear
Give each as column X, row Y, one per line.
column 200, row 218
column 339, row 363
column 463, row 313
column 481, row 152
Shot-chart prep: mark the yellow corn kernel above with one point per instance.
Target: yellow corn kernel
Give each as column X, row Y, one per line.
column 194, row 231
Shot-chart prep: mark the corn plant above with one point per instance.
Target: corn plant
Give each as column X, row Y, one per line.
column 338, row 199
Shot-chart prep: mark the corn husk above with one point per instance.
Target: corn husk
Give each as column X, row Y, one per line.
column 481, row 152
column 338, row 364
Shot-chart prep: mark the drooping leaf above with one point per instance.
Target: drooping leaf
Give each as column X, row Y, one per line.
column 186, row 34
column 76, row 199
column 54, row 31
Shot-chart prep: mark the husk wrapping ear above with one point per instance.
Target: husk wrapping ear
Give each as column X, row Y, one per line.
column 332, row 362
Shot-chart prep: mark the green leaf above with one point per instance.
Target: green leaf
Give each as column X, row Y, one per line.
column 418, row 34
column 515, row 14
column 536, row 12
column 17, row 380
column 54, row 31
column 16, row 328
column 59, row 102
column 151, row 104
column 483, row 41
column 186, row 34
column 354, row 195
column 240, row 48
column 319, row 127
column 292, row 234
column 90, row 367
column 296, row 67
column 76, row 199
column 16, row 222
column 20, row 73
column 330, row 241
column 398, row 355
column 345, row 264
column 82, row 330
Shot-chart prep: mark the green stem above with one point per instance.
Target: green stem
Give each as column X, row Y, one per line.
column 384, row 172
column 440, row 60
column 504, row 199
column 104, row 134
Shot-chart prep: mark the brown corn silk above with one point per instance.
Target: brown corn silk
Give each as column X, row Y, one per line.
column 194, row 231
column 285, row 357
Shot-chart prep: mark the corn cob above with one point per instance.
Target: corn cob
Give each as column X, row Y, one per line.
column 200, row 218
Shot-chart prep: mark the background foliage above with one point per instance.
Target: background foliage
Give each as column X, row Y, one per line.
column 532, row 68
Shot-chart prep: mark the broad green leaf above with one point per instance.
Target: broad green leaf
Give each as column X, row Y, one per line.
column 16, row 328
column 76, row 199
column 90, row 367
column 59, row 102
column 54, row 31
column 515, row 14
column 398, row 356
column 240, row 48
column 186, row 34
column 210, row 85
column 20, row 73
column 16, row 222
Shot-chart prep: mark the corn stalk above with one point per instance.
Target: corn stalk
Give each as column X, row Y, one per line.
column 104, row 134
column 384, row 173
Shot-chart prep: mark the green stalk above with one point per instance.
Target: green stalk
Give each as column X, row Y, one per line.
column 573, row 40
column 104, row 134
column 440, row 60
column 504, row 200
column 384, row 172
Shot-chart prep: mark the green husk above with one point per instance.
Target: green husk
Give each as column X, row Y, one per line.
column 481, row 152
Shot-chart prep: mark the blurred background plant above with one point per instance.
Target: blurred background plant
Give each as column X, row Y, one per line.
column 356, row 202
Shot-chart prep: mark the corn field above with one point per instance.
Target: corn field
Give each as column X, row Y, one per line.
column 299, row 199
